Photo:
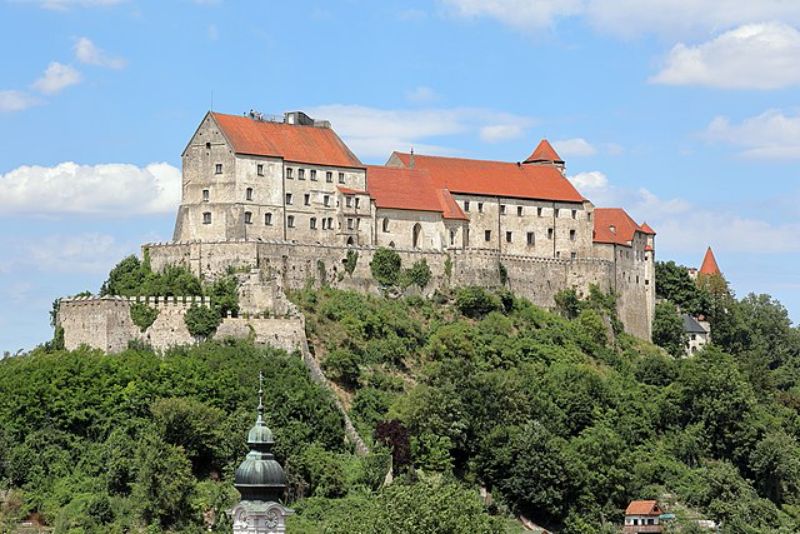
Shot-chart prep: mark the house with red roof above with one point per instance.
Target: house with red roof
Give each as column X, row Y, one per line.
column 643, row 517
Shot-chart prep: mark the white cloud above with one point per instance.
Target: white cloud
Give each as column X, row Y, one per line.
column 592, row 180
column 627, row 18
column 16, row 101
column 56, row 78
column 373, row 132
column 90, row 253
column 574, row 147
column 113, row 189
column 755, row 56
column 87, row 52
column 421, row 95
column 770, row 135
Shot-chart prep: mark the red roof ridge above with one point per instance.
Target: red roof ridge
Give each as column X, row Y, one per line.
column 643, row 507
column 709, row 265
column 416, row 155
column 647, row 229
column 544, row 151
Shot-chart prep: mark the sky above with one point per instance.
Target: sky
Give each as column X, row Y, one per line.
column 684, row 112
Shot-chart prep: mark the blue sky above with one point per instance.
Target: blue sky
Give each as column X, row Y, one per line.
column 685, row 112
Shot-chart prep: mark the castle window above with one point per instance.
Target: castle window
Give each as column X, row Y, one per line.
column 502, row 209
column 326, row 200
column 487, row 235
column 357, row 202
column 249, row 193
column 452, row 237
column 324, row 224
column 307, row 199
column 519, row 211
column 301, row 174
column 549, row 233
column 531, row 239
column 466, row 205
column 348, row 201
column 268, row 219
column 574, row 214
column 218, row 168
column 558, row 254
column 313, row 175
column 508, row 237
column 248, row 217
column 573, row 255
column 208, row 145
column 480, row 207
column 589, row 216
column 538, row 212
column 330, row 223
column 556, row 212
column 572, row 235
column 288, row 198
column 329, row 177
column 260, row 169
column 349, row 224
column 290, row 221
column 313, row 223
column 289, row 173
column 385, row 224
column 341, row 177
column 207, row 217
column 205, row 195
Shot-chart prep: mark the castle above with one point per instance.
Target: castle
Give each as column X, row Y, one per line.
column 285, row 199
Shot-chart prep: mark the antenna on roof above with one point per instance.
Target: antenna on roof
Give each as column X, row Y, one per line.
column 411, row 159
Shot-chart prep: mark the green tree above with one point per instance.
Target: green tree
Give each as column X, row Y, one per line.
column 674, row 284
column 385, row 266
column 668, row 330
column 143, row 315
column 201, row 321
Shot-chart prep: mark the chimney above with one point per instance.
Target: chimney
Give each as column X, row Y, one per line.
column 411, row 159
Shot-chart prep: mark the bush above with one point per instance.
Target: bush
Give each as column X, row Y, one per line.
column 201, row 321
column 385, row 266
column 476, row 302
column 143, row 315
column 343, row 366
column 350, row 262
column 419, row 274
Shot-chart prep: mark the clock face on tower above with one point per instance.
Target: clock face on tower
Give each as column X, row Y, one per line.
column 273, row 519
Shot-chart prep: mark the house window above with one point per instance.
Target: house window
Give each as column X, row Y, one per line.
column 313, row 223
column 573, row 255
column 480, row 207
column 268, row 219
column 531, row 239
column 348, row 201
column 248, row 217
column 218, row 168
column 341, row 177
column 538, row 212
column 307, row 199
column 289, row 173
column 466, row 205
column 572, row 235
column 519, row 211
column 574, row 214
column 207, row 217
column 487, row 235
column 326, row 200
column 205, row 195
column 290, row 221
column 301, row 174
column 249, row 193
column 313, row 175
column 288, row 198
column 508, row 237
column 349, row 224
column 329, row 177
column 260, row 169
column 502, row 209
column 549, row 233
column 385, row 224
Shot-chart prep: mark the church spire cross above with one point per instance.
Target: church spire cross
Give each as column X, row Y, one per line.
column 260, row 395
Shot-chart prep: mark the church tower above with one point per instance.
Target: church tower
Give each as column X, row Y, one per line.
column 261, row 482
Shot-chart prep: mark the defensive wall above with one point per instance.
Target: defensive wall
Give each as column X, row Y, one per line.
column 294, row 265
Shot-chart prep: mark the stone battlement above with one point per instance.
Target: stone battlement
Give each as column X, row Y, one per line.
column 157, row 302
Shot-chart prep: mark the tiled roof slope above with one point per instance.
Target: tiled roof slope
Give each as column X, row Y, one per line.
column 615, row 226
column 410, row 189
column 643, row 508
column 544, row 152
column 710, row 263
column 495, row 178
column 301, row 144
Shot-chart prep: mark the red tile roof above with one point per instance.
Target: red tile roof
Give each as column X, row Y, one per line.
column 646, row 229
column 648, row 248
column 301, row 144
column 348, row 191
column 544, row 152
column 710, row 263
column 643, row 508
column 495, row 178
column 614, row 226
column 410, row 189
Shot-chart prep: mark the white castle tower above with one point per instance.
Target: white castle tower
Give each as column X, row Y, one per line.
column 261, row 482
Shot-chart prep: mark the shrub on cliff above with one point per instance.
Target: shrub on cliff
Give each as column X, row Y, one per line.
column 201, row 321
column 131, row 277
column 143, row 315
column 419, row 274
column 476, row 302
column 668, row 329
column 385, row 266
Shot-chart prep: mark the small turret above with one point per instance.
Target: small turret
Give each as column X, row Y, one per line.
column 545, row 154
column 709, row 265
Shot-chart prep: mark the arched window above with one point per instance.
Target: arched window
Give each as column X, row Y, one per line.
column 416, row 235
column 391, row 244
column 249, row 193
column 385, row 224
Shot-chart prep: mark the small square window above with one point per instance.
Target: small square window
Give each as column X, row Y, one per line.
column 502, row 209
column 329, row 177
column 348, row 201
column 549, row 233
column 538, row 212
column 288, row 198
column 349, row 224
column 205, row 195
column 248, row 217
column 290, row 221
column 572, row 235
column 531, row 239
column 301, row 174
column 508, row 237
column 249, row 193
column 326, row 200
column 573, row 255
column 289, row 173
column 574, row 214
column 218, row 168
column 487, row 235
column 519, row 211
column 207, row 217
column 268, row 219
column 480, row 207
column 307, row 199
column 466, row 205
column 313, row 175
column 341, row 177
column 260, row 169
